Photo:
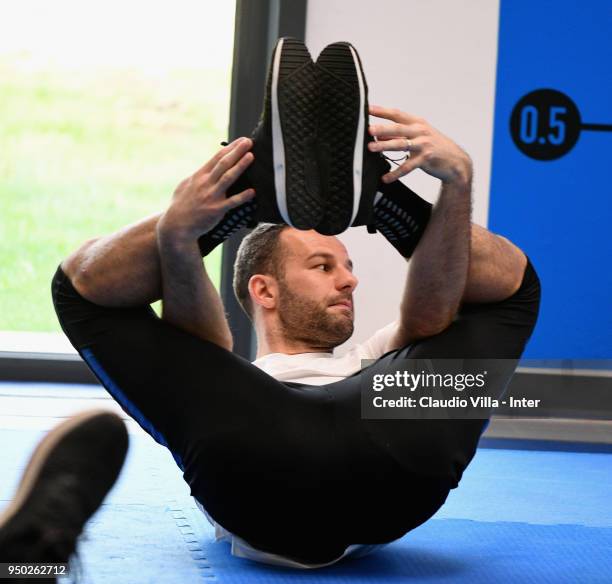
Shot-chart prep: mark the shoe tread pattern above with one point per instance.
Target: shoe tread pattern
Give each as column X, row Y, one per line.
column 401, row 216
column 234, row 220
column 297, row 98
column 338, row 118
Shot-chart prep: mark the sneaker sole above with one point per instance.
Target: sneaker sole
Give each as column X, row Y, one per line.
column 342, row 126
column 40, row 456
column 293, row 96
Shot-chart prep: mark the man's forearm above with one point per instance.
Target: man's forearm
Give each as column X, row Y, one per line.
column 189, row 299
column 494, row 272
column 439, row 266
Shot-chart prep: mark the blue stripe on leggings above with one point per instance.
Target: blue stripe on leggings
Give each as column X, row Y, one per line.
column 125, row 402
column 485, row 426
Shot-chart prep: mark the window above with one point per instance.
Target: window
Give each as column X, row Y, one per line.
column 104, row 108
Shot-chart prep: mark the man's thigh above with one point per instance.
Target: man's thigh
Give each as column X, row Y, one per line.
column 495, row 330
column 182, row 390
column 494, row 335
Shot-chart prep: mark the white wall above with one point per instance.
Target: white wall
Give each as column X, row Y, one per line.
column 436, row 59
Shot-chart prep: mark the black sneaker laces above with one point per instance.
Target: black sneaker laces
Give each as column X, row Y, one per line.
column 396, row 161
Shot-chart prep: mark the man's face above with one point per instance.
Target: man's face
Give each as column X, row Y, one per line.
column 316, row 285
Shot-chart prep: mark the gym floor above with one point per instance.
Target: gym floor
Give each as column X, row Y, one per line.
column 541, row 513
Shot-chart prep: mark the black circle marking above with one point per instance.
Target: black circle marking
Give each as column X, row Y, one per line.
column 545, row 124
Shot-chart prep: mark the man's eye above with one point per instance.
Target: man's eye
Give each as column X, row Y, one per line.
column 322, row 266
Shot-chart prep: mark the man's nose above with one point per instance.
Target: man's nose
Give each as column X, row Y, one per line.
column 347, row 280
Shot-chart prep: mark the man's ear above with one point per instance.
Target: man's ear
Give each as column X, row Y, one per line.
column 263, row 290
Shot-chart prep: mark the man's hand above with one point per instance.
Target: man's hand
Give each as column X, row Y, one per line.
column 429, row 150
column 199, row 202
column 439, row 265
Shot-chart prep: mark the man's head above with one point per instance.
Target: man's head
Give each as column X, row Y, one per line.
column 296, row 285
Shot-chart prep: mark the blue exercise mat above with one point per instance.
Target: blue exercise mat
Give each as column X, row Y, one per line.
column 518, row 516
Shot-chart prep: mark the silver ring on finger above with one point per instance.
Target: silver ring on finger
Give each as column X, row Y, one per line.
column 408, row 144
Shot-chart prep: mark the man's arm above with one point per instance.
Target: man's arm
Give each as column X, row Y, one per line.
column 124, row 268
column 455, row 260
column 438, row 270
column 190, row 301
column 494, row 273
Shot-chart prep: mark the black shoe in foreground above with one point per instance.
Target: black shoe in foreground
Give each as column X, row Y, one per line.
column 69, row 474
column 401, row 216
column 349, row 172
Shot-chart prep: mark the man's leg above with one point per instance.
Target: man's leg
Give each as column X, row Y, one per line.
column 417, row 461
column 160, row 375
column 497, row 330
column 249, row 445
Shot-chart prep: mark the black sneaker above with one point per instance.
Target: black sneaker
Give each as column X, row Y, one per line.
column 350, row 173
column 64, row 483
column 401, row 216
column 233, row 220
column 284, row 173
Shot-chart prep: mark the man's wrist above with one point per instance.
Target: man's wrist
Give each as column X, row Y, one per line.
column 461, row 176
column 173, row 237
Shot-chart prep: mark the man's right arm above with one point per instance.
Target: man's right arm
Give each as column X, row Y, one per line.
column 190, row 300
column 125, row 269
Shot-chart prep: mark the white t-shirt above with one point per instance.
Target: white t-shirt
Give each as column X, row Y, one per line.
column 323, row 368
column 311, row 369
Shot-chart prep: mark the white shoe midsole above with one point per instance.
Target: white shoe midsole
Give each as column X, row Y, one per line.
column 358, row 153
column 278, row 146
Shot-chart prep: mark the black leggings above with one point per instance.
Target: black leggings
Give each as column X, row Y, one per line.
column 291, row 468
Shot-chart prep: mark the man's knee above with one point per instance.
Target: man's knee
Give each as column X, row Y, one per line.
column 78, row 317
column 530, row 285
column 495, row 329
column 63, row 292
column 527, row 297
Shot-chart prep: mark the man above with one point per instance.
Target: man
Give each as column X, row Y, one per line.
column 276, row 451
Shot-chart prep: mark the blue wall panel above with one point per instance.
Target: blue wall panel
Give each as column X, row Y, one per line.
column 558, row 210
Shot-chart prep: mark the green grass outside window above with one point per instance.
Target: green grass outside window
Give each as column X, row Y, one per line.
column 83, row 153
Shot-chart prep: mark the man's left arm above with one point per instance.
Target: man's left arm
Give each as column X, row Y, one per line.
column 439, row 266
column 455, row 261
